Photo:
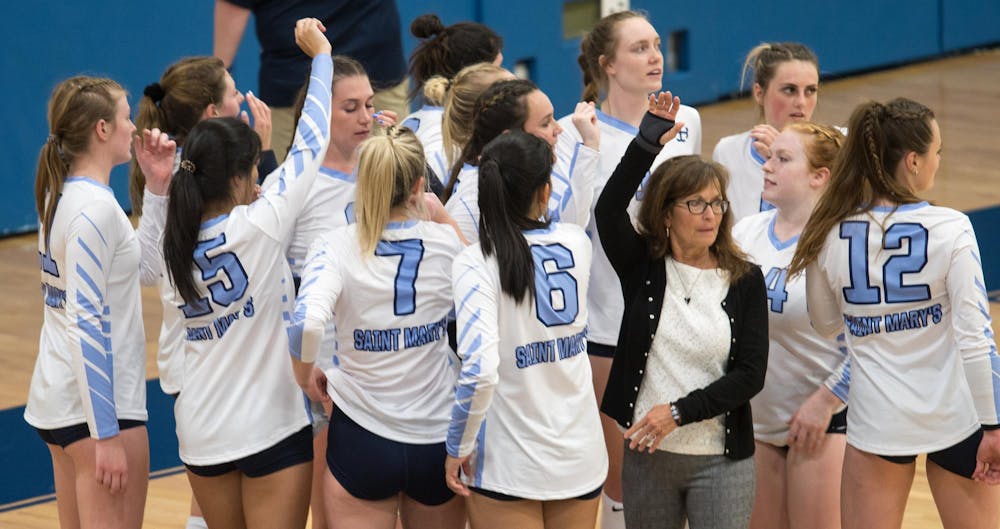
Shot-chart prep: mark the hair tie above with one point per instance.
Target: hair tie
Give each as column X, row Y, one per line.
column 155, row 92
column 188, row 166
column 52, row 139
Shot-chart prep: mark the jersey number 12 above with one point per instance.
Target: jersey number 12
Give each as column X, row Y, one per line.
column 861, row 291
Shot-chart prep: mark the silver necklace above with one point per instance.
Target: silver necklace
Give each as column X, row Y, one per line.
column 687, row 288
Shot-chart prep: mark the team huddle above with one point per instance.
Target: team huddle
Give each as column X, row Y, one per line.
column 484, row 314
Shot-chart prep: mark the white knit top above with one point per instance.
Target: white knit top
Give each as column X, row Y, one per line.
column 689, row 352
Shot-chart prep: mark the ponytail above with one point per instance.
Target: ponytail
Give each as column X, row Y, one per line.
column 459, row 97
column 865, row 168
column 388, row 168
column 216, row 151
column 446, row 50
column 503, row 106
column 175, row 104
column 514, row 168
column 75, row 106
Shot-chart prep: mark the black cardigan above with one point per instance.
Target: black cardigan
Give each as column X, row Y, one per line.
column 643, row 280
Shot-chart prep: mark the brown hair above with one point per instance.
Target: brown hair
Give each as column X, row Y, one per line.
column 864, row 171
column 460, row 104
column 676, row 178
column 175, row 105
column 601, row 40
column 75, row 106
column 503, row 106
column 446, row 50
column 343, row 67
column 764, row 59
column 822, row 143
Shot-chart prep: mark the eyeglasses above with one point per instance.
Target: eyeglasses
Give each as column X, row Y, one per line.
column 698, row 206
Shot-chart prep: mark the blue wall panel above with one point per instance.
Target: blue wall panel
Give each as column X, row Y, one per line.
column 967, row 23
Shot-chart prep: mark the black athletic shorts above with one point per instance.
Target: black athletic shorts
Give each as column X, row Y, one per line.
column 371, row 467
column 290, row 451
column 958, row 459
column 601, row 350
column 71, row 434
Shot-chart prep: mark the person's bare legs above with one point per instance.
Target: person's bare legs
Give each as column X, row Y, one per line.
column 220, row 498
column 770, row 506
column 316, row 500
column 448, row 515
column 570, row 514
column 873, row 491
column 344, row 511
column 963, row 503
column 96, row 506
column 813, row 485
column 64, row 473
column 487, row 513
column 279, row 499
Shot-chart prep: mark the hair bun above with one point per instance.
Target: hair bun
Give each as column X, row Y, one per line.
column 154, row 91
column 426, row 26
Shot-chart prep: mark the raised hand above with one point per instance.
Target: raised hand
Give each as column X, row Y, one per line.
column 763, row 136
column 261, row 120
column 155, row 152
column 585, row 120
column 666, row 105
column 310, row 38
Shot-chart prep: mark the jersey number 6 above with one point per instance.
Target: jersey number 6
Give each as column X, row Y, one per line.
column 557, row 301
column 226, row 262
column 861, row 291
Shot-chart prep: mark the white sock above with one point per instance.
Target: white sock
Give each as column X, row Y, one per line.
column 196, row 522
column 612, row 513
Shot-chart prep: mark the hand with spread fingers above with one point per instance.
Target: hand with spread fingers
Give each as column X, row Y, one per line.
column 155, row 152
column 666, row 106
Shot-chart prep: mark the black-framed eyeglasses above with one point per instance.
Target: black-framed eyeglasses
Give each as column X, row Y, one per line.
column 698, row 206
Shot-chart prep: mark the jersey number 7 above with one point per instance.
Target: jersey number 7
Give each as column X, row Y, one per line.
column 410, row 252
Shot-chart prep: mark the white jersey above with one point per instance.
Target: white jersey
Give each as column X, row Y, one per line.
column 799, row 360
column 392, row 373
column 426, row 124
column 330, row 205
column 570, row 201
column 907, row 290
column 91, row 364
column 606, row 299
column 746, row 175
column 524, row 406
column 240, row 396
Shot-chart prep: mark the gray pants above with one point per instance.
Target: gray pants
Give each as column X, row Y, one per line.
column 663, row 490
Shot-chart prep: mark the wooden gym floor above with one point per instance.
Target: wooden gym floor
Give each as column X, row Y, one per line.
column 961, row 90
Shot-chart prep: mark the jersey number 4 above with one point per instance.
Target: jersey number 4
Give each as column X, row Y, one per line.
column 223, row 293
column 557, row 301
column 775, row 280
column 861, row 291
column 410, row 252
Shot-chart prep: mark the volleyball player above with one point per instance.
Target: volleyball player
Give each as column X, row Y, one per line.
column 524, row 428
column 518, row 104
column 799, row 420
column 386, row 283
column 622, row 63
column 785, row 90
column 903, row 280
column 242, row 424
column 87, row 398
